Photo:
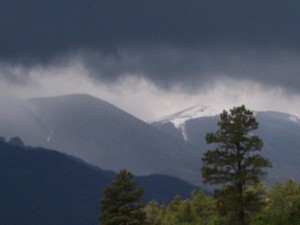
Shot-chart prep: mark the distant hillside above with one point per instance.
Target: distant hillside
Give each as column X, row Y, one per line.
column 280, row 133
column 101, row 134
column 40, row 186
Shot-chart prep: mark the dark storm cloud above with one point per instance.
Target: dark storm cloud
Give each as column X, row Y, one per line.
column 196, row 68
column 42, row 28
column 165, row 40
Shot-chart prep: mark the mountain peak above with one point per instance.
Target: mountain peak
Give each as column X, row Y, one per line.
column 179, row 119
column 193, row 112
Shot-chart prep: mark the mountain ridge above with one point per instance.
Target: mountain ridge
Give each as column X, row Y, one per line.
column 41, row 186
column 103, row 135
column 198, row 111
column 279, row 131
column 112, row 139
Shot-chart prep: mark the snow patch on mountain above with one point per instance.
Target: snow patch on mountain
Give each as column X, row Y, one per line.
column 179, row 119
column 49, row 137
column 294, row 119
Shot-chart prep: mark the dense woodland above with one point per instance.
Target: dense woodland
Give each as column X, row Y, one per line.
column 235, row 168
column 281, row 206
column 278, row 205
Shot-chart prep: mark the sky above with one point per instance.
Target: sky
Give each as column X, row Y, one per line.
column 155, row 57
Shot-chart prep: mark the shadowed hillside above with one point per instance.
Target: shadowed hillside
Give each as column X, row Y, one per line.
column 40, row 186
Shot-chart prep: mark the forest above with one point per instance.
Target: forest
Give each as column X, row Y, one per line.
column 280, row 205
column 235, row 170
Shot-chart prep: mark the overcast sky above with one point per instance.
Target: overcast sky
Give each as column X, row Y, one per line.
column 154, row 57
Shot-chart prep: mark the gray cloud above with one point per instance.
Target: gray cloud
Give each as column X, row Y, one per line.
column 195, row 68
column 189, row 42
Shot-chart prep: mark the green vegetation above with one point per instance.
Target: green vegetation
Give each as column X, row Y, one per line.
column 239, row 199
column 120, row 203
column 198, row 209
column 235, row 165
column 281, row 207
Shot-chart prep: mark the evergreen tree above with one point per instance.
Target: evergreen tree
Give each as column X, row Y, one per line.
column 235, row 164
column 283, row 206
column 199, row 209
column 16, row 141
column 121, row 204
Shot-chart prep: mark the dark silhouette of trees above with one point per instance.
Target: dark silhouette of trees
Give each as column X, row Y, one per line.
column 121, row 204
column 16, row 141
column 235, row 164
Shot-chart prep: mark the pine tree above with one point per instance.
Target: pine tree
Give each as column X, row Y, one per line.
column 121, row 204
column 234, row 163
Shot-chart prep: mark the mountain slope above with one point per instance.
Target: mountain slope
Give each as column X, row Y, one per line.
column 103, row 135
column 40, row 186
column 280, row 133
column 17, row 119
column 175, row 124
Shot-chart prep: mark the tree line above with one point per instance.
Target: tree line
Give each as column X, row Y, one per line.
column 280, row 205
column 235, row 168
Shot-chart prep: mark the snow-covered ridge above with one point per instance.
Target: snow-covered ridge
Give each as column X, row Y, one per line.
column 294, row 119
column 179, row 118
column 198, row 111
column 282, row 116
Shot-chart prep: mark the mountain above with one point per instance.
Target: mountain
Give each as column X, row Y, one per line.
column 280, row 133
column 40, row 186
column 17, row 119
column 104, row 135
column 101, row 134
column 175, row 124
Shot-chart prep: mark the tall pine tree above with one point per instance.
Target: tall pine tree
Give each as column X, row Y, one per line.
column 121, row 204
column 235, row 164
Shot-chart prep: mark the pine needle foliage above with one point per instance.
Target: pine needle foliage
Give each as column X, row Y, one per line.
column 234, row 163
column 121, row 204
